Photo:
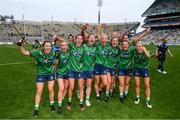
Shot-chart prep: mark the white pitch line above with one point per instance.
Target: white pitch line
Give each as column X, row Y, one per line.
column 16, row 63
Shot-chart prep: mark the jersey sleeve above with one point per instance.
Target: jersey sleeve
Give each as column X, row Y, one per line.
column 55, row 56
column 132, row 43
column 96, row 43
column 132, row 48
column 70, row 44
column 34, row 53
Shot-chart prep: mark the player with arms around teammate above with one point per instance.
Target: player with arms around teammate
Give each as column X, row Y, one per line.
column 100, row 71
column 88, row 65
column 161, row 54
column 61, row 73
column 75, row 70
column 45, row 72
column 125, row 63
column 141, row 69
column 125, row 69
column 112, row 58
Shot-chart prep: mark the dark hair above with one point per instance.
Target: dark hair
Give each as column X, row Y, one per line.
column 126, row 41
column 70, row 35
column 112, row 39
column 78, row 35
column 124, row 35
column 56, row 40
column 46, row 41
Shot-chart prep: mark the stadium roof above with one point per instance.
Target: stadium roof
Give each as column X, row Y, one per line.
column 160, row 7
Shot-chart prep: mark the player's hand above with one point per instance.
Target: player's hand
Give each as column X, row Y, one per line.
column 21, row 41
column 85, row 26
column 156, row 55
column 148, row 29
column 54, row 37
column 144, row 49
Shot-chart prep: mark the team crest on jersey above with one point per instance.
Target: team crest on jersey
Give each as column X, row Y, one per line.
column 113, row 54
column 89, row 53
column 47, row 61
column 65, row 61
column 76, row 54
column 105, row 52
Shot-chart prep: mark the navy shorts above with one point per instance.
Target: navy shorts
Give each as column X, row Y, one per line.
column 111, row 71
column 61, row 76
column 74, row 75
column 124, row 72
column 100, row 69
column 44, row 78
column 141, row 72
column 88, row 74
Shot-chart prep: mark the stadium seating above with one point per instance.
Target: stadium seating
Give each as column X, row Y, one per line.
column 156, row 35
column 46, row 29
column 162, row 7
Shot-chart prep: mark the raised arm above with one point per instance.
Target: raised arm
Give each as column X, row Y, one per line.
column 146, row 52
column 57, row 37
column 100, row 30
column 84, row 32
column 143, row 34
column 22, row 49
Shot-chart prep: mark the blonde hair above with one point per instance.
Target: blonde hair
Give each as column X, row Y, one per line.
column 104, row 35
column 139, row 42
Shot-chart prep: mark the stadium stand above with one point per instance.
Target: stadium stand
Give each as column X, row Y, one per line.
column 163, row 13
column 46, row 29
column 156, row 35
column 163, row 16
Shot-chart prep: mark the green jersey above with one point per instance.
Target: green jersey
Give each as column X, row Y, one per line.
column 36, row 46
column 140, row 60
column 112, row 57
column 45, row 62
column 101, row 54
column 62, row 66
column 88, row 58
column 125, row 58
column 75, row 63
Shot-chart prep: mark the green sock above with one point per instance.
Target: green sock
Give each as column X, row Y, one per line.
column 36, row 107
column 107, row 94
column 81, row 102
column 69, row 99
column 111, row 91
column 121, row 94
column 138, row 97
column 59, row 103
column 51, row 103
column 147, row 99
column 87, row 98
column 125, row 93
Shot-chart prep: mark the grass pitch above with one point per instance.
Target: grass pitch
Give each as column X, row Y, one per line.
column 17, row 91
